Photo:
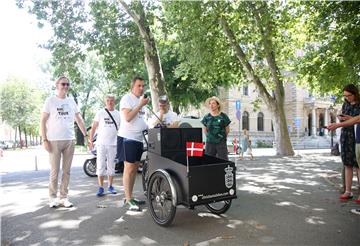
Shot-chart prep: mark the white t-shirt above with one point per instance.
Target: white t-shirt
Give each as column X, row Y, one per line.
column 133, row 129
column 169, row 118
column 106, row 129
column 60, row 125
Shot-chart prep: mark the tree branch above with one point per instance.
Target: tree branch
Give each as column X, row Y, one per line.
column 265, row 32
column 246, row 64
column 138, row 19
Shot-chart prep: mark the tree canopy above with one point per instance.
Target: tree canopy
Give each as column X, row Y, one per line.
column 20, row 104
column 330, row 45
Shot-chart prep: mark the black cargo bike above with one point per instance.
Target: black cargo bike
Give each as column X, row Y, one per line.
column 170, row 178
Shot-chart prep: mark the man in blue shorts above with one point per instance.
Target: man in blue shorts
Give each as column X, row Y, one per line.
column 130, row 138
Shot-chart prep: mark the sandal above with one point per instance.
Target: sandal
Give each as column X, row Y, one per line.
column 357, row 200
column 346, row 196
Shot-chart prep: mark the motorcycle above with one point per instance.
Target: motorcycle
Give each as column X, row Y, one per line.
column 90, row 163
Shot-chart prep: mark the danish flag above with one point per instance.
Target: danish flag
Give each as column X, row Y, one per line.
column 194, row 149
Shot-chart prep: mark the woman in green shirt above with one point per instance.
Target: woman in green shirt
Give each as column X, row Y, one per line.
column 216, row 129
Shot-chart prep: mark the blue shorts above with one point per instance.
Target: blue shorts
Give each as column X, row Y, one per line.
column 129, row 150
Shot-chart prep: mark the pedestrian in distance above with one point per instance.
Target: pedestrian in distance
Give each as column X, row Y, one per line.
column 165, row 117
column 216, row 128
column 245, row 143
column 106, row 123
column 130, row 138
column 57, row 131
column 350, row 108
column 249, row 151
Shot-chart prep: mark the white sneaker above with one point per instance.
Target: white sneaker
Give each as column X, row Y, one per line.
column 53, row 202
column 66, row 203
column 355, row 211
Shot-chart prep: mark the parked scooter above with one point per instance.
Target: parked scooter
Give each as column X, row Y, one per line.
column 90, row 164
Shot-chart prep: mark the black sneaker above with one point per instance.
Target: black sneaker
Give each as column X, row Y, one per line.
column 138, row 201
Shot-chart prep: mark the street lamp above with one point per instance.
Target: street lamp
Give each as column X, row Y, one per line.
column 331, row 110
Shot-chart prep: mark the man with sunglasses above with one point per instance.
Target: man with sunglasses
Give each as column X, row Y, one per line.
column 57, row 131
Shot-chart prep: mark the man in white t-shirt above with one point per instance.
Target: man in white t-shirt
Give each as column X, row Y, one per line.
column 106, row 127
column 130, row 138
column 165, row 116
column 57, row 131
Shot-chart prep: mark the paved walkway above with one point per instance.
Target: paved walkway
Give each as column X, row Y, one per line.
column 281, row 201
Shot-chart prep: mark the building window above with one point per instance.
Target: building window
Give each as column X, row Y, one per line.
column 245, row 90
column 260, row 122
column 245, row 121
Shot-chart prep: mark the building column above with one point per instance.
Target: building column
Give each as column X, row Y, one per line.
column 326, row 121
column 313, row 130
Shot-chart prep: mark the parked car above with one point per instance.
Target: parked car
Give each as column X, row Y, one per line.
column 10, row 144
column 190, row 121
column 3, row 145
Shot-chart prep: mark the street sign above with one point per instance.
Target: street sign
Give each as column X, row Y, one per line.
column 333, row 98
column 238, row 115
column 238, row 105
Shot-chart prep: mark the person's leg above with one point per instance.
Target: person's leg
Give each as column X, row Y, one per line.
column 101, row 181
column 251, row 155
column 129, row 176
column 133, row 152
column 101, row 164
column 54, row 160
column 348, row 179
column 111, row 153
column 357, row 153
column 343, row 179
column 221, row 150
column 68, row 153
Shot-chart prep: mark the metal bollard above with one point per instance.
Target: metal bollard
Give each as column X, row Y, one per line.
column 36, row 165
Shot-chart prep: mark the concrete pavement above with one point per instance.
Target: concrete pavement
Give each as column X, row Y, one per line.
column 281, row 201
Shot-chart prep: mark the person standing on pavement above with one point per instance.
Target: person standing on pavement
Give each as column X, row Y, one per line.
column 106, row 122
column 130, row 137
column 216, row 127
column 244, row 143
column 57, row 132
column 165, row 116
column 249, row 151
column 350, row 108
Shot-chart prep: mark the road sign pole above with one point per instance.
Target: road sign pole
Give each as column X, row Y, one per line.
column 238, row 116
column 240, row 136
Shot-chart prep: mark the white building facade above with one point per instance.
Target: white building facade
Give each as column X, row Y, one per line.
column 306, row 115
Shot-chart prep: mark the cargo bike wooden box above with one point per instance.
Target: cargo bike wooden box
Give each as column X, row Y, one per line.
column 171, row 178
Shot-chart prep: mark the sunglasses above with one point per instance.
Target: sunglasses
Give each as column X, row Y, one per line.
column 65, row 84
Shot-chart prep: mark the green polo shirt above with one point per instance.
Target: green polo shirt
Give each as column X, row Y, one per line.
column 216, row 126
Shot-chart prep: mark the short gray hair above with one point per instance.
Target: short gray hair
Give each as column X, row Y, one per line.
column 109, row 96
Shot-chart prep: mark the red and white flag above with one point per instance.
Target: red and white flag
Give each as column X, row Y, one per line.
column 194, row 149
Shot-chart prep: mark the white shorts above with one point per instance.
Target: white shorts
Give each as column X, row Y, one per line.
column 105, row 160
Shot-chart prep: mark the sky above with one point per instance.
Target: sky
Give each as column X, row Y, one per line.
column 19, row 40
